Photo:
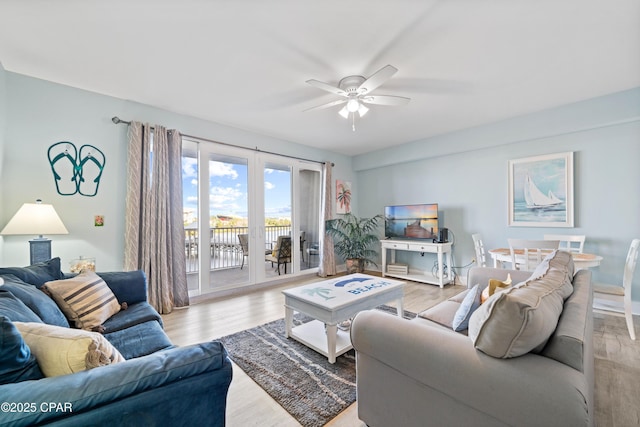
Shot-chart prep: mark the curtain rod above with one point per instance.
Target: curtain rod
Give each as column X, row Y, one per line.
column 116, row 120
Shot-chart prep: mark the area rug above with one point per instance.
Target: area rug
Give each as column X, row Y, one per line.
column 301, row 380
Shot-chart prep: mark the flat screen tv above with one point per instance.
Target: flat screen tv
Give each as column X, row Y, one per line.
column 411, row 221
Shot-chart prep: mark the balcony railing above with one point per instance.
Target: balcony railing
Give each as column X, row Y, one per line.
column 224, row 247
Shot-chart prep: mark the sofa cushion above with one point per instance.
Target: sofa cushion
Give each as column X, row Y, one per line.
column 139, row 340
column 15, row 309
column 522, row 318
column 443, row 312
column 133, row 315
column 16, row 361
column 469, row 304
column 86, row 299
column 559, row 265
column 36, row 300
column 127, row 286
column 61, row 351
column 37, row 274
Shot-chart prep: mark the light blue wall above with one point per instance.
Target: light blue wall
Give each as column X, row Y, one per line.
column 41, row 113
column 466, row 173
column 3, row 114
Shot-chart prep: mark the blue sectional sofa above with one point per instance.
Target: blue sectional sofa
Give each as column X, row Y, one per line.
column 158, row 384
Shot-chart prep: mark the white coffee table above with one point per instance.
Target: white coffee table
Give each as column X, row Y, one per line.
column 333, row 301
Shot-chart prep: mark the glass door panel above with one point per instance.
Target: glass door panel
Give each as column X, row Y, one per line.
column 237, row 205
column 215, row 210
column 228, row 221
column 190, row 213
column 279, row 240
column 308, row 210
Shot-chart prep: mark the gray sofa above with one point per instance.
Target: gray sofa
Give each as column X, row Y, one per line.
column 420, row 372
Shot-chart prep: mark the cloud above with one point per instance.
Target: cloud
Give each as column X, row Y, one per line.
column 269, row 186
column 189, row 166
column 222, row 169
column 226, row 208
column 278, row 212
column 225, row 198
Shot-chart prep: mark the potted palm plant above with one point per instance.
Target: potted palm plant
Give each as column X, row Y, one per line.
column 353, row 238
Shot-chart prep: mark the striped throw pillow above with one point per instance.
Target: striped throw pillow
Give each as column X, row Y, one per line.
column 85, row 299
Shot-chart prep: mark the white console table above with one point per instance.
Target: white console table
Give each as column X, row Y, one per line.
column 423, row 247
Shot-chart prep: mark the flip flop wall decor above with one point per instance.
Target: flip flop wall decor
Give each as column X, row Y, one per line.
column 76, row 171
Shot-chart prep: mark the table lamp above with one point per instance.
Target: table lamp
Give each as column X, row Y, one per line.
column 36, row 218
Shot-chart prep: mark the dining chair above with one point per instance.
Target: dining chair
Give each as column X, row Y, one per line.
column 620, row 294
column 527, row 254
column 244, row 247
column 568, row 242
column 481, row 258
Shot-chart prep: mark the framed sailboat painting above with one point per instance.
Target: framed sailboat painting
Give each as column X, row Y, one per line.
column 541, row 191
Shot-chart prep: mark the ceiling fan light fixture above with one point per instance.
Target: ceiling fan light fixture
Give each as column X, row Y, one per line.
column 355, row 92
column 353, row 105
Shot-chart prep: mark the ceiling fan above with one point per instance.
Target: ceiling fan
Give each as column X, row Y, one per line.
column 356, row 91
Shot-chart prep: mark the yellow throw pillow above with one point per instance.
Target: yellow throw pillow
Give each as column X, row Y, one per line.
column 85, row 299
column 495, row 285
column 62, row 351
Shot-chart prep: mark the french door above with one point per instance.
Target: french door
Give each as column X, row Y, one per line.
column 238, row 206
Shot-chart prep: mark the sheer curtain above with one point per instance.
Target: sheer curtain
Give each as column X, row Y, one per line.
column 154, row 233
column 327, row 254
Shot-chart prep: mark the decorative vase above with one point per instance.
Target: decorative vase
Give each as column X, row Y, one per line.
column 82, row 264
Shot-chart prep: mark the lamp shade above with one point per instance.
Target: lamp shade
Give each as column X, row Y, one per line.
column 35, row 218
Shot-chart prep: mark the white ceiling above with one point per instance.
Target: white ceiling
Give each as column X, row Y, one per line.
column 244, row 63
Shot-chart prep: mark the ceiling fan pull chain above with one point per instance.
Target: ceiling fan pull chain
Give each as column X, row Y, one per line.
column 353, row 122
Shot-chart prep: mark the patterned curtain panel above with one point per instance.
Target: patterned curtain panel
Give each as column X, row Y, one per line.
column 327, row 255
column 154, row 233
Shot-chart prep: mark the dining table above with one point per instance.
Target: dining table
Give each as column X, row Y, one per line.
column 581, row 260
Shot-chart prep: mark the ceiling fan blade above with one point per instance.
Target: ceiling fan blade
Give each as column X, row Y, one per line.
column 385, row 100
column 327, row 87
column 379, row 77
column 327, row 105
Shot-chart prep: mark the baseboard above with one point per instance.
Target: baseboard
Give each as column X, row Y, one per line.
column 247, row 289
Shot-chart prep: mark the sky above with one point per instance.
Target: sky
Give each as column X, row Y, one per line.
column 228, row 189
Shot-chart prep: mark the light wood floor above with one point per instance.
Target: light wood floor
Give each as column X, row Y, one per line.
column 617, row 373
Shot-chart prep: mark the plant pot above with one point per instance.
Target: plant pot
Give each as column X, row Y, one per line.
column 355, row 265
